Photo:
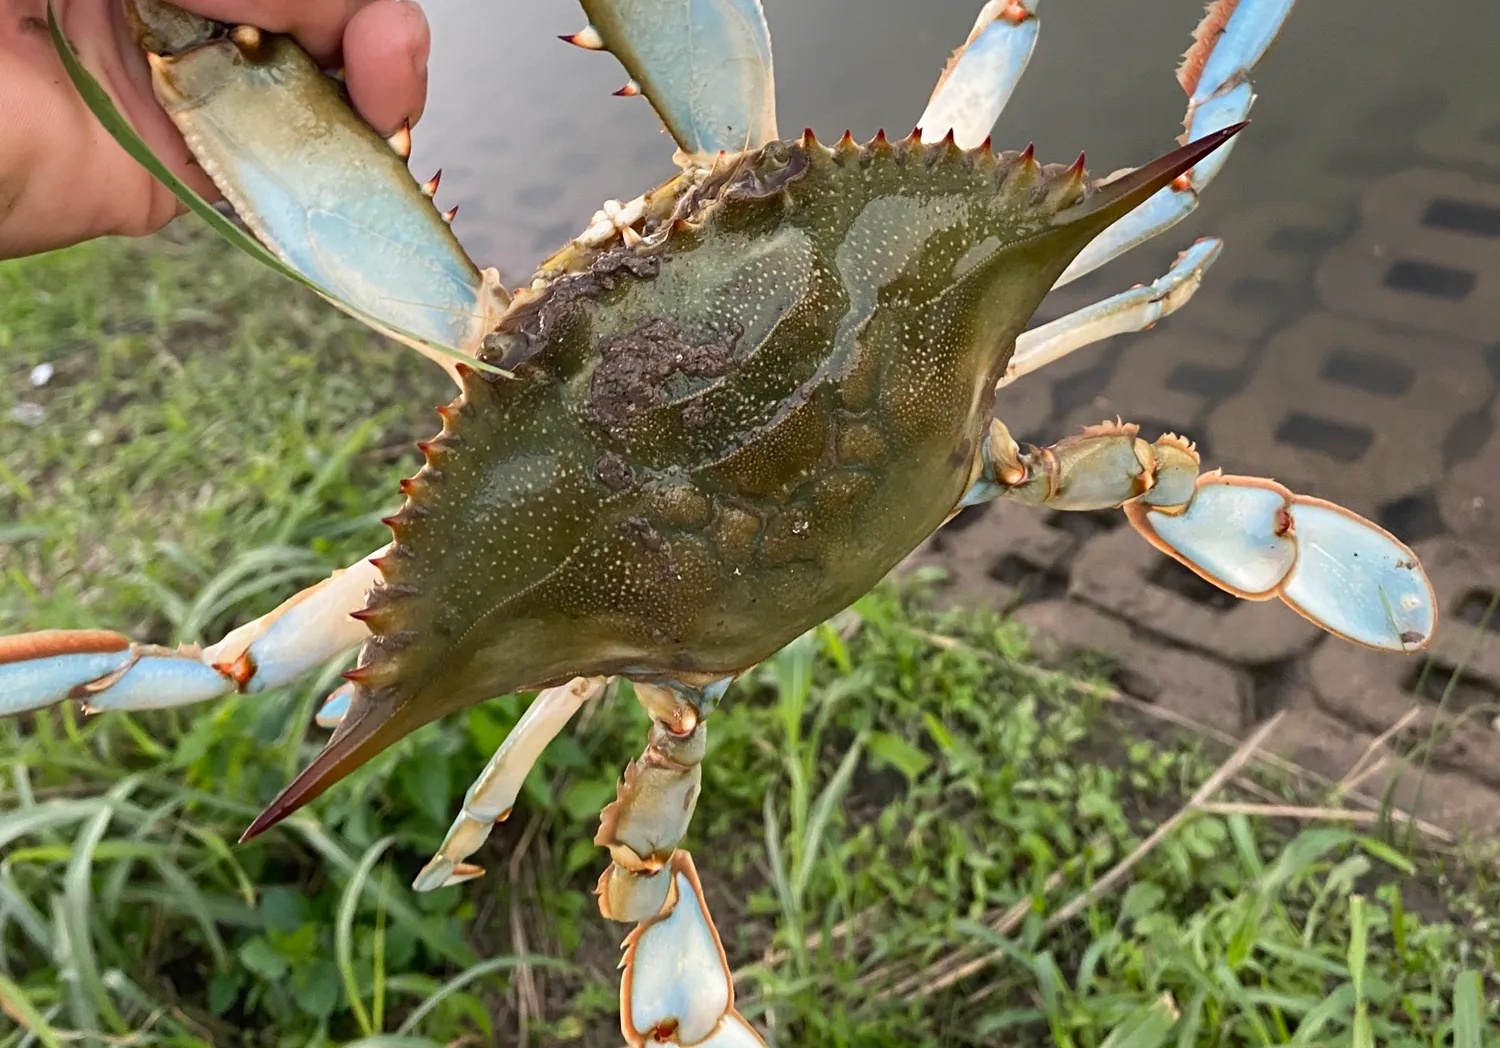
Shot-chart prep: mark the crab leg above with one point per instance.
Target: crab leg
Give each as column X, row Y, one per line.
column 314, row 183
column 704, row 65
column 1215, row 73
column 493, row 794
column 982, row 75
column 106, row 671
column 677, row 987
column 1133, row 310
column 1247, row 535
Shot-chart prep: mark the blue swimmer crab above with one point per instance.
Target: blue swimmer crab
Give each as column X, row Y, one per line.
column 718, row 416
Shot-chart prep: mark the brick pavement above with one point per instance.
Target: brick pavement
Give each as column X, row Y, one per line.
column 1358, row 361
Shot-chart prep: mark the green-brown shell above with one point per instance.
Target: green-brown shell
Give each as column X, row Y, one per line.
column 719, row 437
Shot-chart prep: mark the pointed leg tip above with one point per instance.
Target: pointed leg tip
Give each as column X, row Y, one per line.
column 434, row 875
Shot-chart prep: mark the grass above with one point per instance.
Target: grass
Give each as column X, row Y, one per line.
column 909, row 832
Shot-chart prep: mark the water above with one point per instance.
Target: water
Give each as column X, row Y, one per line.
column 531, row 142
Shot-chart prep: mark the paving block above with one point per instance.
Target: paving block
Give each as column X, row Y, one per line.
column 1194, row 685
column 1264, row 275
column 1466, row 137
column 1373, row 690
column 1332, row 747
column 1469, row 496
column 1165, row 380
column 1121, row 574
column 1344, row 410
column 997, row 555
column 1426, row 256
column 1026, row 407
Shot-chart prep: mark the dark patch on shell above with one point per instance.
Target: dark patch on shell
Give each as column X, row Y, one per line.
column 640, row 529
column 613, row 472
column 635, row 366
column 697, row 414
column 563, row 302
column 753, row 176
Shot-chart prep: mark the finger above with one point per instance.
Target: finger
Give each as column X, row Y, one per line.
column 128, row 80
column 318, row 25
column 385, row 63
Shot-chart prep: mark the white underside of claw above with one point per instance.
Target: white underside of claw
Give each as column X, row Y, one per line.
column 304, row 632
column 705, row 66
column 326, row 195
column 677, row 987
column 1358, row 578
column 1234, row 536
column 1258, row 540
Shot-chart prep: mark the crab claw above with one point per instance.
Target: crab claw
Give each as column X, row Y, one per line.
column 1256, row 539
column 106, row 671
column 101, row 668
column 677, row 987
column 705, row 66
column 319, row 188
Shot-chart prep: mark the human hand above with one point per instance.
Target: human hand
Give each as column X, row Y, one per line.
column 63, row 179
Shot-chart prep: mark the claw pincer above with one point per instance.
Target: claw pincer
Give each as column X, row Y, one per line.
column 1249, row 536
column 103, row 670
column 332, row 199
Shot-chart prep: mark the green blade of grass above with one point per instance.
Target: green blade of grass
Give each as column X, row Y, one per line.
column 401, row 910
column 822, row 811
column 14, row 905
column 75, row 908
column 1335, row 1006
column 1364, row 1036
column 15, row 1003
column 343, row 936
column 49, row 815
column 1147, row 1027
column 1468, row 1010
column 478, row 971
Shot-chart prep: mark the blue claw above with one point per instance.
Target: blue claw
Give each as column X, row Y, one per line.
column 103, row 670
column 158, row 682
column 324, row 192
column 106, row 671
column 336, row 707
column 704, row 65
column 1258, row 540
column 1358, row 581
column 1233, row 536
column 300, row 635
column 1214, row 115
column 978, row 82
column 34, row 682
column 1249, row 32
